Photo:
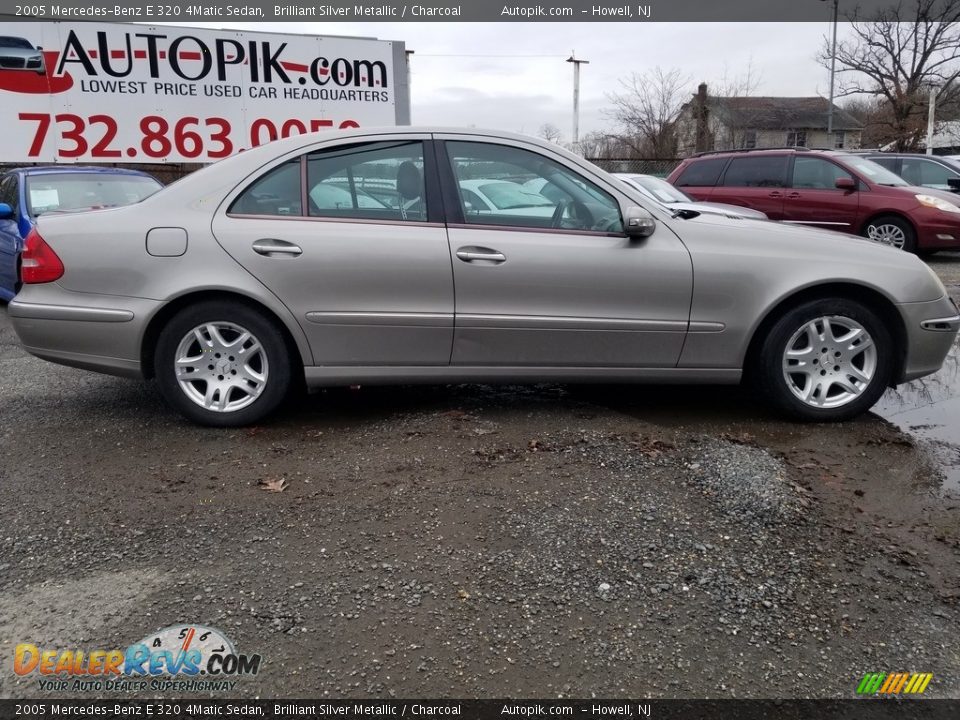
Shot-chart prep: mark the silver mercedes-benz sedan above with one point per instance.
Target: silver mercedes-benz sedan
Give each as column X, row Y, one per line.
column 355, row 257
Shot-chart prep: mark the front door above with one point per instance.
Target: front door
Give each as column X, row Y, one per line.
column 351, row 239
column 555, row 282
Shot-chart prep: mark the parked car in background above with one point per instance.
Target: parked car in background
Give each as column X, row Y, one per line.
column 229, row 308
column 483, row 196
column 931, row 171
column 17, row 53
column 27, row 193
column 663, row 192
column 828, row 189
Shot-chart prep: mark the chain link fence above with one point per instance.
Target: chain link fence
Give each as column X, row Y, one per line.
column 641, row 166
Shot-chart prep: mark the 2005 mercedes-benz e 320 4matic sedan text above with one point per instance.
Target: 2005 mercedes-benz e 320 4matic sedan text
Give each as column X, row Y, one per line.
column 359, row 257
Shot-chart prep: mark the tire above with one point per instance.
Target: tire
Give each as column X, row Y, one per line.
column 217, row 386
column 892, row 230
column 824, row 386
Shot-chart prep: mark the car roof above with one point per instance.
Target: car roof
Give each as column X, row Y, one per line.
column 768, row 151
column 53, row 169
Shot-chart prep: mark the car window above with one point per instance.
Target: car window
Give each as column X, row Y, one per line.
column 889, row 163
column 275, row 193
column 472, row 200
column 15, row 42
column 874, row 172
column 504, row 177
column 8, row 192
column 817, row 174
column 512, row 196
column 756, row 171
column 701, row 173
column 918, row 171
column 372, row 181
column 55, row 192
column 661, row 189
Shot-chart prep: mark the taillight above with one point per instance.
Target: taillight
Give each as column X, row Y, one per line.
column 39, row 263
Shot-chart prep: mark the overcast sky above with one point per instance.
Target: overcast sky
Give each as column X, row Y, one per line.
column 512, row 76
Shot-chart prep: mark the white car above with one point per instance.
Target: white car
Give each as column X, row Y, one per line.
column 666, row 194
column 17, row 53
column 504, row 197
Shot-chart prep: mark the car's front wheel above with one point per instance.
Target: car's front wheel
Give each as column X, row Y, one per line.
column 826, row 361
column 222, row 364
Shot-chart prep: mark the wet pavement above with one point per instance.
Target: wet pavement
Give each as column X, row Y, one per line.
column 928, row 409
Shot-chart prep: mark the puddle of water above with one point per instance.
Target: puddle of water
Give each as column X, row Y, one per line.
column 929, row 409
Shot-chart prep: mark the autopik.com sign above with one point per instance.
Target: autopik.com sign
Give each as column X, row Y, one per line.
column 72, row 92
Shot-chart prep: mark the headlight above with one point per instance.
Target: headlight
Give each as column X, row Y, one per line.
column 935, row 202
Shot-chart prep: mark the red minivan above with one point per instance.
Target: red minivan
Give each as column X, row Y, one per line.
column 828, row 189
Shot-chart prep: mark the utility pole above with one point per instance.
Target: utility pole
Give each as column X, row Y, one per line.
column 576, row 94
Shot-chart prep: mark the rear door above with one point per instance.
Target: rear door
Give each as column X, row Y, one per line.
column 755, row 181
column 351, row 239
column 814, row 199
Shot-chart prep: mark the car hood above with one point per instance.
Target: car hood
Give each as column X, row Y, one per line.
column 947, row 195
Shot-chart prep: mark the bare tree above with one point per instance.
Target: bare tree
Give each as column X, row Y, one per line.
column 550, row 133
column 646, row 108
column 897, row 56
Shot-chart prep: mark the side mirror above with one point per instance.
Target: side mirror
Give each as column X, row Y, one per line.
column 845, row 183
column 953, row 184
column 638, row 223
column 6, row 212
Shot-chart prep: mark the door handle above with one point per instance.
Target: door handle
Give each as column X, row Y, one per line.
column 271, row 247
column 775, row 194
column 793, row 196
column 470, row 254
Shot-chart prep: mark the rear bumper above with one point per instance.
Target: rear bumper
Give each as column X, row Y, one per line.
column 931, row 330
column 94, row 332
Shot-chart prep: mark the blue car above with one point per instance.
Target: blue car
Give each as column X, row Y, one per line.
column 27, row 193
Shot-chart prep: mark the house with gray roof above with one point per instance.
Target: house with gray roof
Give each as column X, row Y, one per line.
column 730, row 123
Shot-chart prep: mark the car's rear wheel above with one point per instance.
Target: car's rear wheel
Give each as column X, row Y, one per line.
column 222, row 364
column 826, row 361
column 891, row 230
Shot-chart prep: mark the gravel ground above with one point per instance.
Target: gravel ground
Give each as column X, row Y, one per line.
column 479, row 542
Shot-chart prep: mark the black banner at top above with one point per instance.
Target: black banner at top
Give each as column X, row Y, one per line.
column 260, row 11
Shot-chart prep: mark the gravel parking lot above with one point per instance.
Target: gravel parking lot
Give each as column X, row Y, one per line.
column 472, row 541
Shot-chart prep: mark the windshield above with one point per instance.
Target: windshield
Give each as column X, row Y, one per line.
column 15, row 42
column 86, row 191
column 875, row 172
column 660, row 189
column 510, row 196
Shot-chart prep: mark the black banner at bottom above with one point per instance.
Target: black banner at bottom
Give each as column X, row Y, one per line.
column 855, row 709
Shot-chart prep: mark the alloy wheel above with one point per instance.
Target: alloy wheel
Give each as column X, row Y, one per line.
column 829, row 362
column 221, row 366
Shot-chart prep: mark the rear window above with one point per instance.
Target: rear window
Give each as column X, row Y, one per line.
column 701, row 173
column 756, row 171
column 51, row 192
